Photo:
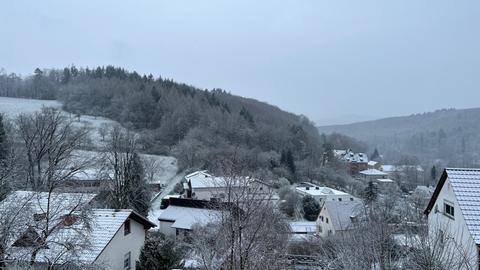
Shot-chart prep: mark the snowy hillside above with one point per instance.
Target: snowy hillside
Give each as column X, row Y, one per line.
column 163, row 168
column 11, row 107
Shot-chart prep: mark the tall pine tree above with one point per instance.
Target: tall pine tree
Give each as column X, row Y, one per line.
column 375, row 155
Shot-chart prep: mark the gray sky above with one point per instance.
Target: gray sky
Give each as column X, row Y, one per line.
column 331, row 60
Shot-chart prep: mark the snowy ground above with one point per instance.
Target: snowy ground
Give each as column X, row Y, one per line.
column 164, row 167
column 12, row 107
column 94, row 124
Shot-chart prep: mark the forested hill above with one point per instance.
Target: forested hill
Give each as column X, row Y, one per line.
column 451, row 135
column 202, row 128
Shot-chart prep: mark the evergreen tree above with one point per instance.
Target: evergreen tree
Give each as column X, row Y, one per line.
column 140, row 199
column 375, row 155
column 433, row 173
column 159, row 253
column 311, row 208
column 290, row 162
column 3, row 140
column 370, row 193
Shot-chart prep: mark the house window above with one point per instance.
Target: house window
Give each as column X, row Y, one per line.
column 339, row 199
column 327, row 219
column 126, row 227
column 351, row 199
column 127, row 261
column 448, row 209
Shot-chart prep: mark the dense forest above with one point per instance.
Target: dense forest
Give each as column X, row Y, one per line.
column 207, row 129
column 449, row 136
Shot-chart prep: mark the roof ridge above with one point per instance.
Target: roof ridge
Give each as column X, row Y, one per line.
column 462, row 169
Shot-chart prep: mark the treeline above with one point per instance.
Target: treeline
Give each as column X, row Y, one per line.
column 447, row 137
column 208, row 129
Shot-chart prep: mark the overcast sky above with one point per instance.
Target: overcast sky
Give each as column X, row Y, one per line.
column 333, row 60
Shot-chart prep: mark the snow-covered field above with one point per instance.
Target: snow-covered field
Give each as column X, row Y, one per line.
column 94, row 124
column 165, row 167
column 158, row 169
column 12, row 107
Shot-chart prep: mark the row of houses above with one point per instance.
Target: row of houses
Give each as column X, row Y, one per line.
column 358, row 164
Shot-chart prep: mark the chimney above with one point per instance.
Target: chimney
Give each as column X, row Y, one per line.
column 189, row 190
column 69, row 220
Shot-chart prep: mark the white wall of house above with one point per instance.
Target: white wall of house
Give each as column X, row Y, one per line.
column 456, row 234
column 113, row 255
column 324, row 224
column 328, row 197
column 165, row 227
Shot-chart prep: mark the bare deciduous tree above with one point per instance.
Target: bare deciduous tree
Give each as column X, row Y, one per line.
column 249, row 234
column 49, row 139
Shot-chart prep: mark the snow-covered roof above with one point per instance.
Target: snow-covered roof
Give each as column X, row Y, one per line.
column 314, row 190
column 38, row 201
column 350, row 156
column 388, row 168
column 201, row 179
column 372, row 163
column 342, row 213
column 303, row 227
column 374, row 172
column 385, row 181
column 400, row 168
column 186, row 217
column 466, row 187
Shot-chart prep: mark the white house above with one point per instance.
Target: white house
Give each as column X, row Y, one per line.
column 398, row 172
column 87, row 238
column 337, row 217
column 373, row 175
column 181, row 215
column 322, row 194
column 454, row 216
column 204, row 186
column 373, row 164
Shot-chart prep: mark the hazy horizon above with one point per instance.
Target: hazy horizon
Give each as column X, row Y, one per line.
column 324, row 59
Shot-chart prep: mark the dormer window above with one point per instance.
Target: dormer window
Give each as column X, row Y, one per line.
column 126, row 227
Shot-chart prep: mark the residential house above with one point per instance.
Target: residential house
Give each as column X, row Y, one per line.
column 78, row 235
column 181, row 215
column 323, row 194
column 454, row 216
column 372, row 175
column 201, row 185
column 374, row 164
column 337, row 217
column 385, row 184
column 356, row 161
column 421, row 196
column 399, row 172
